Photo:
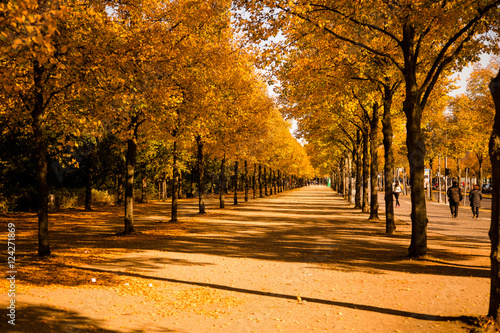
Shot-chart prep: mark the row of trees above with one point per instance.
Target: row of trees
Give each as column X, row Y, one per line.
column 167, row 81
column 359, row 65
column 349, row 70
column 457, row 129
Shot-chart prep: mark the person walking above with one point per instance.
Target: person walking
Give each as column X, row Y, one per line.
column 397, row 190
column 454, row 197
column 475, row 197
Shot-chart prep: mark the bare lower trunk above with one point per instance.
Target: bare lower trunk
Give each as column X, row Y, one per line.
column 265, row 182
column 175, row 184
column 390, row 225
column 366, row 171
column 261, row 192
column 41, row 162
column 374, row 132
column 129, row 185
column 357, row 195
column 201, row 172
column 416, row 154
column 42, row 185
column 246, row 181
column 275, row 183
column 236, row 182
column 254, row 183
column 494, row 233
column 279, row 182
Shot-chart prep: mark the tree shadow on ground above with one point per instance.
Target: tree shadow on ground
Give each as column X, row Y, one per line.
column 45, row 319
column 308, row 226
column 364, row 307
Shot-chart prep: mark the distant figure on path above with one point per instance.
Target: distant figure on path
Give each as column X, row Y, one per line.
column 475, row 197
column 397, row 191
column 454, row 197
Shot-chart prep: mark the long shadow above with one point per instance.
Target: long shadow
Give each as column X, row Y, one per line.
column 363, row 307
column 343, row 240
column 45, row 319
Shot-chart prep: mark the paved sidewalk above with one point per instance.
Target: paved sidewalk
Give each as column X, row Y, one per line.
column 300, row 261
column 441, row 222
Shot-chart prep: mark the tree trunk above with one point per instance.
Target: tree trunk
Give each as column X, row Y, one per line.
column 281, row 182
column 246, row 181
column 41, row 164
column 431, row 162
column 275, row 183
column 416, row 154
column 261, row 192
column 357, row 195
column 236, row 182
column 201, row 173
column 129, row 185
column 175, row 184
column 270, row 181
column 366, row 171
column 374, row 133
column 349, row 178
column 494, row 233
column 415, row 144
column 222, row 183
column 480, row 161
column 265, row 182
column 390, row 225
column 254, row 183
column 164, row 194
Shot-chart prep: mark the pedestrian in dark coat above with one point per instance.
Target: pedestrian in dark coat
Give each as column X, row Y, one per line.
column 475, row 197
column 454, row 197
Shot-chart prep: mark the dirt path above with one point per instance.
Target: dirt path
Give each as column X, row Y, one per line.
column 300, row 261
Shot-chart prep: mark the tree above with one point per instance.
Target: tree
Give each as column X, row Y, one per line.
column 45, row 51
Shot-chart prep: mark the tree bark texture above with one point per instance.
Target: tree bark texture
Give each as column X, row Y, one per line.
column 201, row 174
column 261, row 192
column 349, row 178
column 416, row 154
column 366, row 170
column 390, row 224
column 415, row 143
column 275, row 183
column 41, row 163
column 246, row 180
column 494, row 233
column 175, row 183
column 358, row 148
column 374, row 133
column 129, row 184
column 266, row 193
column 236, row 182
column 254, row 183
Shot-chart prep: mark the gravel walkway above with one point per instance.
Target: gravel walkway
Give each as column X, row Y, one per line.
column 299, row 261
